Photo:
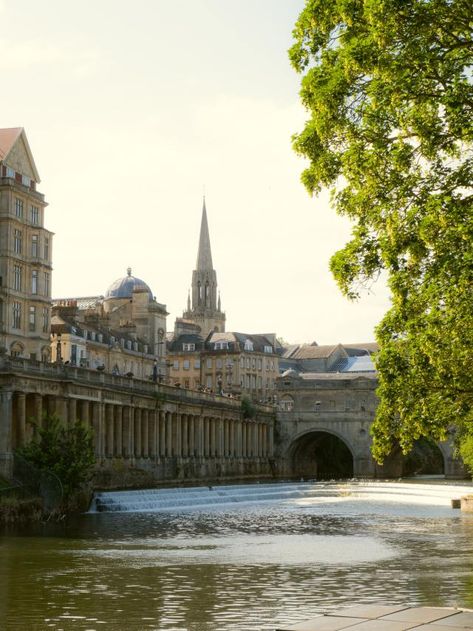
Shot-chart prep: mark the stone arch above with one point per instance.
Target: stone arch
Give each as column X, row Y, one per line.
column 426, row 458
column 321, row 453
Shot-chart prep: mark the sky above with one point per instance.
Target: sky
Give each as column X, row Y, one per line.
column 133, row 111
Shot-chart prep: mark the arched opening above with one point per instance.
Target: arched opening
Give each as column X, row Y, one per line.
column 321, row 455
column 425, row 458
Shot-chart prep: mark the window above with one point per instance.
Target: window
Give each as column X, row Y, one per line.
column 209, row 382
column 197, row 363
column 17, row 315
column 18, row 242
column 32, row 319
column 242, row 362
column 268, row 349
column 17, row 273
column 286, row 404
column 221, row 346
column 186, row 364
column 19, row 208
column 45, row 319
column 47, row 285
column 247, row 363
column 34, row 246
column 248, row 345
column 219, row 364
column 260, row 364
column 260, row 382
column 35, row 215
column 209, row 363
column 175, row 365
column 34, row 281
column 46, row 248
column 188, row 347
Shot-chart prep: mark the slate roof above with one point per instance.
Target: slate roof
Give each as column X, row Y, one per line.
column 309, row 351
column 8, row 138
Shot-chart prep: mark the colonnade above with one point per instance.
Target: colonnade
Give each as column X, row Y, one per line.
column 146, row 430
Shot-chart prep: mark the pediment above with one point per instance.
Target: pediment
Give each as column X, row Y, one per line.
column 20, row 159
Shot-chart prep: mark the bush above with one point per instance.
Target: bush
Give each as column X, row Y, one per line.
column 66, row 451
column 248, row 408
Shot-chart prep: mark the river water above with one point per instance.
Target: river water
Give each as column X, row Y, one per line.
column 245, row 566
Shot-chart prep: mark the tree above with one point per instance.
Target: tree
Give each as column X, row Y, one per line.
column 388, row 87
column 67, row 451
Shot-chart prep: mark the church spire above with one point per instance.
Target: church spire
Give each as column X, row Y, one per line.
column 204, row 255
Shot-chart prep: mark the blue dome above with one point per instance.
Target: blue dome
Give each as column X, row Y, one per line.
column 124, row 287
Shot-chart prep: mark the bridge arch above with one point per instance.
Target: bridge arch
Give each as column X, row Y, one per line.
column 320, row 453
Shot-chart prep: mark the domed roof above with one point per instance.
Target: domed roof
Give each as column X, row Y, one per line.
column 124, row 287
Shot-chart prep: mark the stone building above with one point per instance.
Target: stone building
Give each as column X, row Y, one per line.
column 123, row 332
column 25, row 252
column 204, row 308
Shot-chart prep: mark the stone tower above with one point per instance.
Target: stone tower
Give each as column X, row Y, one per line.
column 25, row 252
column 204, row 308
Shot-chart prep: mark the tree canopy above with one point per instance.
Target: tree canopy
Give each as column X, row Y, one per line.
column 388, row 88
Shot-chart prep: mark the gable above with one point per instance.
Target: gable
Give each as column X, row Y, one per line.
column 20, row 159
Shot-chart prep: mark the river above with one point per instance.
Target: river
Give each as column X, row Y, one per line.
column 245, row 566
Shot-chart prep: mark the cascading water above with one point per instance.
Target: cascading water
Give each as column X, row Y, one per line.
column 306, row 493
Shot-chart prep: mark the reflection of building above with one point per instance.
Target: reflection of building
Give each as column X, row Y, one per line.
column 123, row 333
column 205, row 308
column 25, row 252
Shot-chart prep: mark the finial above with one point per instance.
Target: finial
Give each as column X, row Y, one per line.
column 128, row 271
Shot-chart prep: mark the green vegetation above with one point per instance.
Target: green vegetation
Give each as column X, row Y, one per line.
column 65, row 451
column 389, row 92
column 248, row 408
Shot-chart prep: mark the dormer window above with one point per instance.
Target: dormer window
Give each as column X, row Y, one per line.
column 248, row 345
column 188, row 346
column 268, row 349
column 219, row 346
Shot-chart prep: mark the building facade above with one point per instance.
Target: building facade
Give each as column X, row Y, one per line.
column 25, row 252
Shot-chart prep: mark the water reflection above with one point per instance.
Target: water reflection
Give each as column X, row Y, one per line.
column 248, row 568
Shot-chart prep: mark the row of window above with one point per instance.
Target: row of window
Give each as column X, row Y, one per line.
column 35, row 245
column 32, row 317
column 18, row 177
column 186, row 364
column 247, row 382
column 34, row 211
column 228, row 364
column 34, row 280
column 224, row 346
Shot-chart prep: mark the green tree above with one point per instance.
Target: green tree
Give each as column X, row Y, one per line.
column 388, row 88
column 67, row 451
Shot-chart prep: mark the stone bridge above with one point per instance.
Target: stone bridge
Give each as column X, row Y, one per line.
column 323, row 428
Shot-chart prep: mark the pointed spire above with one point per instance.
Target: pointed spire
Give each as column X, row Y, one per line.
column 188, row 300
column 204, row 255
column 219, row 304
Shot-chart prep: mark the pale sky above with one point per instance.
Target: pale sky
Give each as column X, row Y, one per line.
column 132, row 110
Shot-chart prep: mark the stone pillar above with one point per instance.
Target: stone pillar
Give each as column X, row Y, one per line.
column 96, row 420
column 169, row 441
column 206, row 436
column 6, row 448
column 72, row 411
column 109, row 430
column 85, row 412
column 271, row 440
column 127, row 431
column 118, row 431
column 185, row 437
column 38, row 409
column 162, row 434
column 178, row 436
column 192, row 435
column 144, row 433
column 20, row 419
column 137, row 432
column 152, row 432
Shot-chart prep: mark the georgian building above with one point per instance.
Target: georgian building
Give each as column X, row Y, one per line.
column 25, row 252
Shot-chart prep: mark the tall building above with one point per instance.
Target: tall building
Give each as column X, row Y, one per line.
column 25, row 252
column 205, row 309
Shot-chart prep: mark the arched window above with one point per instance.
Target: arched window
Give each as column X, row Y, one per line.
column 199, row 292
column 16, row 349
column 286, row 403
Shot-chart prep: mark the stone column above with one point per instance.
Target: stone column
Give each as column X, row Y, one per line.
column 61, row 409
column 38, row 409
column 162, row 434
column 6, row 448
column 85, row 412
column 152, row 432
column 271, row 440
column 109, row 430
column 118, row 431
column 96, row 421
column 144, row 433
column 185, row 437
column 206, row 436
column 72, row 411
column 191, row 435
column 178, row 434
column 169, row 441
column 127, row 432
column 137, row 432
column 20, row 420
